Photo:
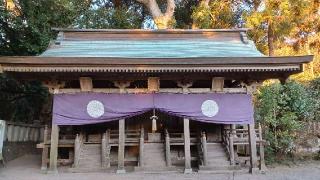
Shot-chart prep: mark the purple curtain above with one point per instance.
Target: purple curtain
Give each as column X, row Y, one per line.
column 92, row 108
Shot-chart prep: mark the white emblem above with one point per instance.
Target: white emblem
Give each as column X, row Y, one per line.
column 209, row 108
column 95, row 109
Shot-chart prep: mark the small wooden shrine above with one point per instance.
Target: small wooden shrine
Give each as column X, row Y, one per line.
column 155, row 69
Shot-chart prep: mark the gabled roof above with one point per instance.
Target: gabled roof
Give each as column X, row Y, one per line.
column 152, row 44
column 154, row 51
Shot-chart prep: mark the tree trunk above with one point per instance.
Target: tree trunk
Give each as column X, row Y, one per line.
column 162, row 20
column 117, row 3
column 270, row 40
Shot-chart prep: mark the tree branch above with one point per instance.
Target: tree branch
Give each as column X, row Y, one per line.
column 152, row 6
column 170, row 8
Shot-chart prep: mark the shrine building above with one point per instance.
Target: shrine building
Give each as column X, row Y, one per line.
column 152, row 100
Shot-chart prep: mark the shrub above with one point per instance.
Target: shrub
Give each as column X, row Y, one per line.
column 281, row 109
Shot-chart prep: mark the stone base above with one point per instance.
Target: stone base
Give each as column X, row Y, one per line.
column 43, row 168
column 52, row 171
column 157, row 169
column 254, row 171
column 121, row 171
column 187, row 171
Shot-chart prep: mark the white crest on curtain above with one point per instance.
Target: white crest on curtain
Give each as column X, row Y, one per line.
column 209, row 108
column 95, row 109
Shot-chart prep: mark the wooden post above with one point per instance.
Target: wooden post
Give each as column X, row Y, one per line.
column 253, row 149
column 187, row 151
column 103, row 151
column 76, row 151
column 141, row 147
column 262, row 166
column 44, row 150
column 121, row 147
column 10, row 132
column 108, row 148
column 54, row 148
column 231, row 146
column 232, row 151
column 168, row 152
column 204, row 148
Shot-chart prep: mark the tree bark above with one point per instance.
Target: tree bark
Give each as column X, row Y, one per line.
column 270, row 40
column 117, row 3
column 162, row 20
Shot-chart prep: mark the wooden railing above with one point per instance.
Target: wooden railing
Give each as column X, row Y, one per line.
column 132, row 137
column 233, row 138
column 177, row 137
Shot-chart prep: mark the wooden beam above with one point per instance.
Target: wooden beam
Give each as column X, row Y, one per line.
column 121, row 147
column 54, row 148
column 253, row 149
column 187, row 151
column 86, row 84
column 163, row 90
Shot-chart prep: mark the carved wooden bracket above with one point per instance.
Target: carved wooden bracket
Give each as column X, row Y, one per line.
column 185, row 85
column 122, row 85
column 53, row 86
column 253, row 86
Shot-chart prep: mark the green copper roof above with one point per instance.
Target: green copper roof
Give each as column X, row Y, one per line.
column 153, row 48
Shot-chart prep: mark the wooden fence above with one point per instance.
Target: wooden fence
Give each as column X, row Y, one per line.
column 19, row 132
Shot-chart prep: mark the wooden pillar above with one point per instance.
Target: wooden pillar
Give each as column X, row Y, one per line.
column 54, row 148
column 231, row 145
column 121, row 147
column 204, row 148
column 187, row 151
column 108, row 148
column 262, row 166
column 168, row 151
column 253, row 149
column 104, row 151
column 45, row 149
column 185, row 85
column 141, row 147
column 77, row 147
column 53, row 87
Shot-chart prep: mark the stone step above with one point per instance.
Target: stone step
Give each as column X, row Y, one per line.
column 90, row 156
column 154, row 156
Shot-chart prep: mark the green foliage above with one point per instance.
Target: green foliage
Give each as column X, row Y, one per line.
column 21, row 101
column 26, row 29
column 315, row 91
column 214, row 15
column 106, row 17
column 281, row 109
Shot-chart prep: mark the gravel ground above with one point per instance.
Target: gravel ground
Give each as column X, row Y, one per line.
column 28, row 168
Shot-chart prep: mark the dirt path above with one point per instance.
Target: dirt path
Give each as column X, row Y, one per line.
column 27, row 168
